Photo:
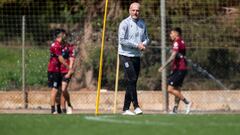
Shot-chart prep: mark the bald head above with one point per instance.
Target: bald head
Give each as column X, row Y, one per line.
column 134, row 4
column 134, row 10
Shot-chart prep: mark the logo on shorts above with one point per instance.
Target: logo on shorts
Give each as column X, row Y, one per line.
column 126, row 64
column 55, row 84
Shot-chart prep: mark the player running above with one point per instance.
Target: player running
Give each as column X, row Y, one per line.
column 178, row 69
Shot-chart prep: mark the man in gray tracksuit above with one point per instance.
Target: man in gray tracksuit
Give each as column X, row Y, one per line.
column 133, row 39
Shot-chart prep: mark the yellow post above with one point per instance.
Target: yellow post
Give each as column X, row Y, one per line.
column 101, row 57
column 116, row 86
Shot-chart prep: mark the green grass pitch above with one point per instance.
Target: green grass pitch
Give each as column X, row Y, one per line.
column 82, row 124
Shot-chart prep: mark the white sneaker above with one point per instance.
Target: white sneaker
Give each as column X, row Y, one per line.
column 69, row 110
column 55, row 112
column 138, row 111
column 188, row 107
column 172, row 112
column 127, row 112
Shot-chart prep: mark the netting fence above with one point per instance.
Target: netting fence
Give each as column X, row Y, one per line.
column 210, row 29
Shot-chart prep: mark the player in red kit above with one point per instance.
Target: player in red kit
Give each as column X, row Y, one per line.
column 69, row 56
column 54, row 76
column 178, row 68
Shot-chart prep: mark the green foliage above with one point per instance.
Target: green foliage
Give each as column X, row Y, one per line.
column 36, row 65
column 109, row 64
column 36, row 61
column 10, row 70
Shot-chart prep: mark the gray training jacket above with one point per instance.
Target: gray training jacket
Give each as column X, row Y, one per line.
column 130, row 33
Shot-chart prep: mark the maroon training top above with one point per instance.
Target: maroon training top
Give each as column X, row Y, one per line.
column 67, row 53
column 54, row 63
column 179, row 63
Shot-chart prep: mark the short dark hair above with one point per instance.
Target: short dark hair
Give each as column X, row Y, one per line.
column 57, row 32
column 178, row 30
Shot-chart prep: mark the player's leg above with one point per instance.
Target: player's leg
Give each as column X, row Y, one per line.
column 175, row 82
column 136, row 64
column 65, row 95
column 176, row 104
column 53, row 99
column 63, row 100
column 57, row 85
column 182, row 76
column 58, row 100
column 69, row 108
column 53, row 83
column 175, row 92
column 179, row 95
column 128, row 70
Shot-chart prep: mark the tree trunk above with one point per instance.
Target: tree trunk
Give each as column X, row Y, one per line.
column 83, row 77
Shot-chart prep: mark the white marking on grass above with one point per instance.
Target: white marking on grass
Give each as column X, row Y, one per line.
column 112, row 119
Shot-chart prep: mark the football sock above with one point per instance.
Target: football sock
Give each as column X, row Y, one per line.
column 59, row 109
column 176, row 101
column 69, row 104
column 185, row 101
column 175, row 109
column 64, row 110
column 52, row 109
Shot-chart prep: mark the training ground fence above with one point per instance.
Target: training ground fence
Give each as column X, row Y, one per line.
column 211, row 31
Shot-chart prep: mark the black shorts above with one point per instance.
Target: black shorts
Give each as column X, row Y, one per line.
column 54, row 80
column 67, row 80
column 176, row 78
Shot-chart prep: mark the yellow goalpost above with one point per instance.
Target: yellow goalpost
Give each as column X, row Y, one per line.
column 101, row 59
column 100, row 68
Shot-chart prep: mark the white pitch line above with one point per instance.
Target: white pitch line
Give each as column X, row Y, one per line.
column 110, row 119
